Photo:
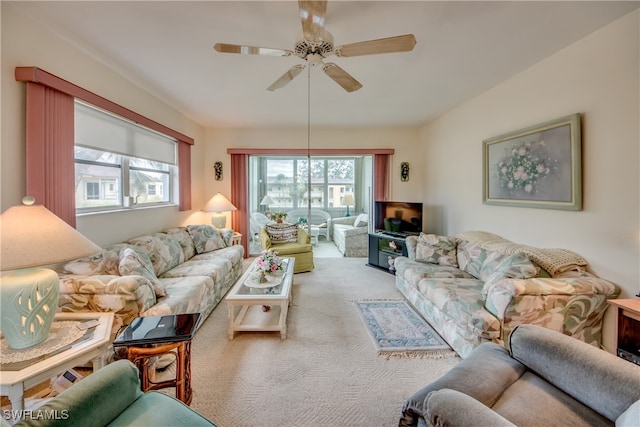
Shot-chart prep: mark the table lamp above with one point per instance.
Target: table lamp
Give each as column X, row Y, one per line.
column 33, row 236
column 266, row 201
column 347, row 201
column 219, row 204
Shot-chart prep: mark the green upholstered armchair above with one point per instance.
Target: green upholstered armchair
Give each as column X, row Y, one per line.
column 301, row 250
column 112, row 396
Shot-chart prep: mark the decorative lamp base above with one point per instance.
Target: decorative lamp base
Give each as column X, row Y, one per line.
column 29, row 303
column 219, row 221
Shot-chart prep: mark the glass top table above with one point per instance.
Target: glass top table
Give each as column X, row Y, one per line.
column 255, row 306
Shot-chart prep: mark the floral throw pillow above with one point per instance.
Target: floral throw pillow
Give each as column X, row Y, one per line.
column 180, row 235
column 137, row 263
column 206, row 238
column 227, row 236
column 498, row 267
column 282, row 233
column 436, row 249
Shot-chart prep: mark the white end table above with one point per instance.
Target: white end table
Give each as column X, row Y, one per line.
column 15, row 380
column 314, row 232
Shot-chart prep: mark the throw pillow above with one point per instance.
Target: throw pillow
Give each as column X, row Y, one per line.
column 227, row 236
column 279, row 233
column 106, row 262
column 516, row 266
column 206, row 238
column 435, row 249
column 180, row 235
column 164, row 252
column 490, row 264
column 362, row 220
column 137, row 262
column 471, row 257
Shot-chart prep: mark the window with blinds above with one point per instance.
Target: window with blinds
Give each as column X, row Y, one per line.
column 120, row 164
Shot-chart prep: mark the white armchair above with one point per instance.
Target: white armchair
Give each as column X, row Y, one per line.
column 257, row 222
column 351, row 235
column 318, row 219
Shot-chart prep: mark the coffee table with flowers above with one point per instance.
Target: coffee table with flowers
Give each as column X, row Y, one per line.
column 259, row 301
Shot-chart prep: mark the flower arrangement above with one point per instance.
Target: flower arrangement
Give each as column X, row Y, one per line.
column 269, row 262
column 522, row 168
column 277, row 216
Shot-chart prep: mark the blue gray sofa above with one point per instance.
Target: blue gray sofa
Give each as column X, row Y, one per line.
column 545, row 378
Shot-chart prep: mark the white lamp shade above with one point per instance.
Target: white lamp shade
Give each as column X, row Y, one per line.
column 33, row 236
column 219, row 203
column 348, row 200
column 266, row 201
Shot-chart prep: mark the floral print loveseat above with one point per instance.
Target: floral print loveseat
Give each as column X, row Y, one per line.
column 180, row 270
column 477, row 287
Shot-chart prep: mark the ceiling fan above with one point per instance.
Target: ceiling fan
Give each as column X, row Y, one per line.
column 315, row 44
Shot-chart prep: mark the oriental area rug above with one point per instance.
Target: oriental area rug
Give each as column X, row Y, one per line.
column 398, row 331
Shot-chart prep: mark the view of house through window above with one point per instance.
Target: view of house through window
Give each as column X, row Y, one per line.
column 285, row 180
column 118, row 163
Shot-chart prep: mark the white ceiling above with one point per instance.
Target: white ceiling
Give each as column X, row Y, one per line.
column 463, row 49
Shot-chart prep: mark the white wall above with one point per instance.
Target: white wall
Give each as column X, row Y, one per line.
column 598, row 77
column 25, row 43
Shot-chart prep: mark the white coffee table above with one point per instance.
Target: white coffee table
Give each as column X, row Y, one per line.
column 17, row 377
column 254, row 307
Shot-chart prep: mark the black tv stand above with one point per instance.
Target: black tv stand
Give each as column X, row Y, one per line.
column 385, row 245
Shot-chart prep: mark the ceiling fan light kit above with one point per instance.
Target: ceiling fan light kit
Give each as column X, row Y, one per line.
column 315, row 44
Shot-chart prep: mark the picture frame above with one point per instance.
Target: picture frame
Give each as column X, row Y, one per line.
column 536, row 167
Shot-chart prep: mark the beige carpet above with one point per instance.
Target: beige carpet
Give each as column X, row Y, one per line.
column 326, row 373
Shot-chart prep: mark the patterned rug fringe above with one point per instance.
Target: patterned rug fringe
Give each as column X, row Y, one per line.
column 428, row 354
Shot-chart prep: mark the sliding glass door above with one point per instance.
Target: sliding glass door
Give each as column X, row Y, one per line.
column 283, row 183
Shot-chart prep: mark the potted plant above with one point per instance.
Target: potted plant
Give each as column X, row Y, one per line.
column 277, row 216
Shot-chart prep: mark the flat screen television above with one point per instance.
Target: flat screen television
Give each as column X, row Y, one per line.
column 398, row 218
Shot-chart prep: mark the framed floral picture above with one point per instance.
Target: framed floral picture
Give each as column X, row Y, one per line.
column 536, row 167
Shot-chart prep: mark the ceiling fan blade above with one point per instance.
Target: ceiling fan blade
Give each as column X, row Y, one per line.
column 312, row 14
column 372, row 47
column 341, row 77
column 250, row 50
column 284, row 80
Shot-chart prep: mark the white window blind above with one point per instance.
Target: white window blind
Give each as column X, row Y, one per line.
column 97, row 129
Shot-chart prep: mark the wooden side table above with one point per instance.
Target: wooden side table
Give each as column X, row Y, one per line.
column 628, row 329
column 147, row 338
column 143, row 358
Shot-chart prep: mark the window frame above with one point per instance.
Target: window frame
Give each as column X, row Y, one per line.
column 50, row 178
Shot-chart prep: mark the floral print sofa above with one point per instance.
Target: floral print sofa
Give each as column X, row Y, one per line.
column 180, row 270
column 477, row 287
